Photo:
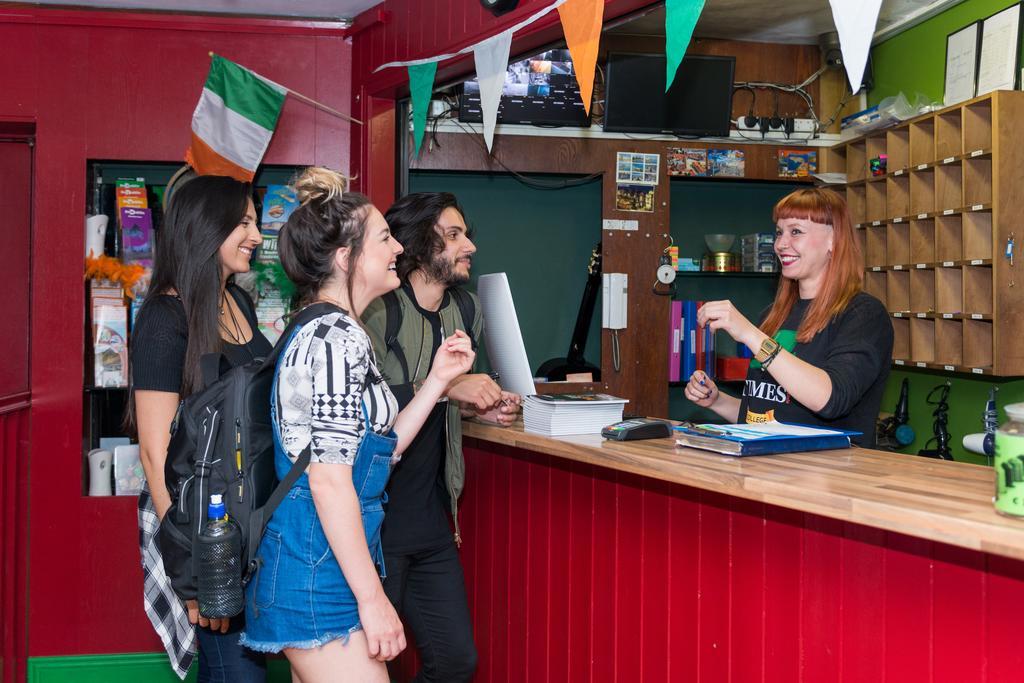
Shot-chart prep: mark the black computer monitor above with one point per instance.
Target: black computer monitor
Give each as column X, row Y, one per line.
column 699, row 103
column 539, row 90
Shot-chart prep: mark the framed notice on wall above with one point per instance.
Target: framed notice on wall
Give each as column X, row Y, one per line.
column 962, row 64
column 999, row 51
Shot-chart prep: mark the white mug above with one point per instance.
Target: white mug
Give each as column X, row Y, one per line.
column 100, row 476
column 95, row 235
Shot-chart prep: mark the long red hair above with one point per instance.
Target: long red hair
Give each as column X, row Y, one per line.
column 844, row 275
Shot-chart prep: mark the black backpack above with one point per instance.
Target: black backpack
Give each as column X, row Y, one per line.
column 393, row 323
column 222, row 442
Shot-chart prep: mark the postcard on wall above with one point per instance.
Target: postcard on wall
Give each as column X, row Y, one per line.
column 797, row 163
column 637, row 168
column 687, row 161
column 633, row 197
column 726, row 162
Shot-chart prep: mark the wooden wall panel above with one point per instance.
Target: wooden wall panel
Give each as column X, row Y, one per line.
column 118, row 85
column 687, row 585
column 14, row 457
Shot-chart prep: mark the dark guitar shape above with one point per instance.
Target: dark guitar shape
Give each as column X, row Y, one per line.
column 557, row 368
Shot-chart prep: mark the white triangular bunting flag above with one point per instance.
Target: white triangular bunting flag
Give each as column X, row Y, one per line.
column 855, row 22
column 491, row 57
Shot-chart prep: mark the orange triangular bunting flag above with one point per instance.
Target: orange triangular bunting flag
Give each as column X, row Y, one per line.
column 581, row 21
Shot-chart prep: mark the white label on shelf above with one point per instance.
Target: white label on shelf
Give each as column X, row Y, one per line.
column 875, row 269
column 897, row 267
column 898, row 362
column 947, row 264
column 947, row 316
column 614, row 224
column 977, row 207
column 977, row 316
column 949, row 160
column 921, row 167
column 976, row 262
column 876, row 223
column 950, row 368
column 897, row 314
column 978, row 371
column 977, row 152
column 898, row 219
column 920, row 364
column 922, row 315
column 921, row 216
column 949, row 212
column 897, row 173
column 919, row 266
column 858, row 225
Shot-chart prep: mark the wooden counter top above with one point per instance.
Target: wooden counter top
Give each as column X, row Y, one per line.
column 948, row 502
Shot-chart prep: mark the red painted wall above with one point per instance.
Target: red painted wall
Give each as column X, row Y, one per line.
column 106, row 85
column 578, row 573
column 398, row 30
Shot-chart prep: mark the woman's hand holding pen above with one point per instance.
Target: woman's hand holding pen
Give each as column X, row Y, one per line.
column 702, row 390
column 722, row 315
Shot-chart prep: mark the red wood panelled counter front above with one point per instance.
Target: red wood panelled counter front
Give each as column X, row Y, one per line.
column 580, row 573
column 111, row 85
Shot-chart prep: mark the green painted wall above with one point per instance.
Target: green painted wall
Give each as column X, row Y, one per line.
column 125, row 668
column 914, row 61
column 911, row 62
column 542, row 239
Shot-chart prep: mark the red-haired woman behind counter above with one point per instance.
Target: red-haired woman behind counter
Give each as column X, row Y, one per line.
column 822, row 350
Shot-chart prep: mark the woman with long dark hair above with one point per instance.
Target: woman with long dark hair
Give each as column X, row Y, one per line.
column 193, row 308
column 317, row 593
column 824, row 346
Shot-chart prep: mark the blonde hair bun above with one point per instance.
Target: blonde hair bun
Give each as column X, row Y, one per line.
column 319, row 184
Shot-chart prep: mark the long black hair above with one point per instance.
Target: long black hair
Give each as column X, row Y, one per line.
column 328, row 219
column 411, row 220
column 201, row 214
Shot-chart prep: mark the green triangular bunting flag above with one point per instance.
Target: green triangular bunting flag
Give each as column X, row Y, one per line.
column 421, row 84
column 680, row 18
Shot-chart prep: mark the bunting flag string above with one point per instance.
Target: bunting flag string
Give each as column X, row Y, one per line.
column 581, row 23
column 491, row 57
column 855, row 23
column 466, row 50
column 680, row 19
column 421, row 84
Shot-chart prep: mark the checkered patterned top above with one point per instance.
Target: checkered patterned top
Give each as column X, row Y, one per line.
column 325, row 374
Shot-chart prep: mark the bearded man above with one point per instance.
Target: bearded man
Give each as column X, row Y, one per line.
column 420, row 535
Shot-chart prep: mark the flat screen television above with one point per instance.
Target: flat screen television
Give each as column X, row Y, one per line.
column 539, row 90
column 699, row 103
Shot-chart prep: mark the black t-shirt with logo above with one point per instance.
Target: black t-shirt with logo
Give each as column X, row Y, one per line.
column 854, row 349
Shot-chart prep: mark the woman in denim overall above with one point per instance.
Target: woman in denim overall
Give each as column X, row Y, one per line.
column 317, row 594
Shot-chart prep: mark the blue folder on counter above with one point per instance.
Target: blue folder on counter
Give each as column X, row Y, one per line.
column 761, row 439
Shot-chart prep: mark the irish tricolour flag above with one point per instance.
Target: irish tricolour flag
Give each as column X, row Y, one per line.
column 234, row 121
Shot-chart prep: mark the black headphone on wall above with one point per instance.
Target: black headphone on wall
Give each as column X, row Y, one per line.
column 749, row 121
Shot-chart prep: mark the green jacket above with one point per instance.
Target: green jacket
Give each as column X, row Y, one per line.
column 411, row 339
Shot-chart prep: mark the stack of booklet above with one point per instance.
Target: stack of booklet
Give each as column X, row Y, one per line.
column 563, row 414
column 761, row 439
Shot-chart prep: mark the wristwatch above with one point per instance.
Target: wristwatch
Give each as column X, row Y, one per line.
column 769, row 347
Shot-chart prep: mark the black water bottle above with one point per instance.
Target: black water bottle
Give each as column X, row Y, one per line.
column 220, row 564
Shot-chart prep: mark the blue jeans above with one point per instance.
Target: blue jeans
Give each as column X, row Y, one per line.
column 222, row 659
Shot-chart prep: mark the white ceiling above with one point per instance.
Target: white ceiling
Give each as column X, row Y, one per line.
column 343, row 10
column 783, row 21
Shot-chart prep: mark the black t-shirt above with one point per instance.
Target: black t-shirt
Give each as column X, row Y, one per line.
column 415, row 515
column 855, row 349
column 160, row 337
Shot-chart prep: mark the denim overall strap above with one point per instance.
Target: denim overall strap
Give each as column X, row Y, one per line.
column 370, row 475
